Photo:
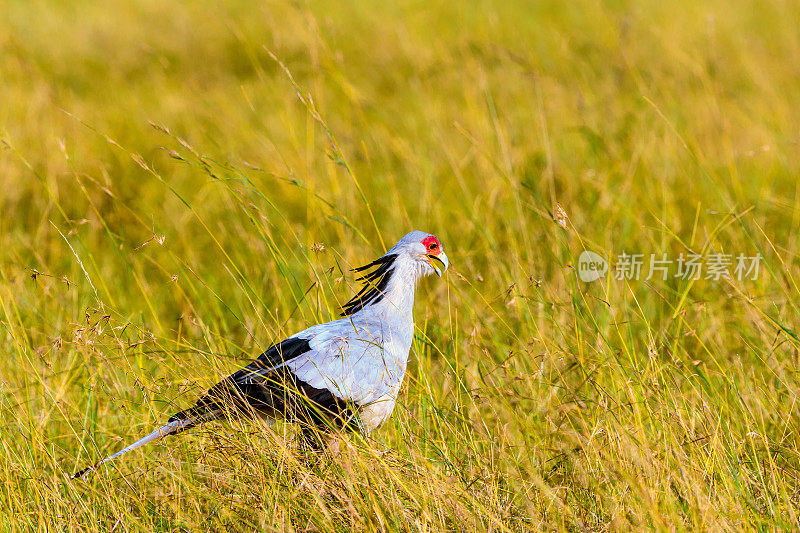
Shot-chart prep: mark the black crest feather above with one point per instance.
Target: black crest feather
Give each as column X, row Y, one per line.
column 375, row 282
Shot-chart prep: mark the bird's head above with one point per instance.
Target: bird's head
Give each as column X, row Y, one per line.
column 425, row 250
column 416, row 255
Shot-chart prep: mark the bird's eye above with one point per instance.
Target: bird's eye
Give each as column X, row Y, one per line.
column 433, row 246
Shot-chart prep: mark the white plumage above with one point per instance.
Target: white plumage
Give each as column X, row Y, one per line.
column 347, row 372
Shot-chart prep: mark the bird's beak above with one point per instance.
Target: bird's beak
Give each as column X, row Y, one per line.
column 439, row 263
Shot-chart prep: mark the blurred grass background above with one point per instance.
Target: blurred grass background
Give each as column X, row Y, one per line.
column 185, row 183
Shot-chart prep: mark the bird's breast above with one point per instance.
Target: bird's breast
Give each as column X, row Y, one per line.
column 374, row 414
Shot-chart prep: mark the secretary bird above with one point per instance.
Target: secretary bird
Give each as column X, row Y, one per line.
column 345, row 373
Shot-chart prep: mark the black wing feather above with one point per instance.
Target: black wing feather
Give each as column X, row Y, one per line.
column 260, row 387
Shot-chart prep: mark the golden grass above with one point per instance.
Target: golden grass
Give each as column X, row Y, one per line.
column 169, row 168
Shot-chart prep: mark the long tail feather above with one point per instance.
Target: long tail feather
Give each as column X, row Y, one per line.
column 170, row 428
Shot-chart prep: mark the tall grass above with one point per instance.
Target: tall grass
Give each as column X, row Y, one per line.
column 185, row 183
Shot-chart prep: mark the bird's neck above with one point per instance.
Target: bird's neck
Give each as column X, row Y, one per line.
column 397, row 303
column 399, row 293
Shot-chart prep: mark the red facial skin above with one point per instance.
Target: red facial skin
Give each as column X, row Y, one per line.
column 432, row 245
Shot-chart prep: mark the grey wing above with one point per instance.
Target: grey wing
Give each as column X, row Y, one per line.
column 355, row 362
